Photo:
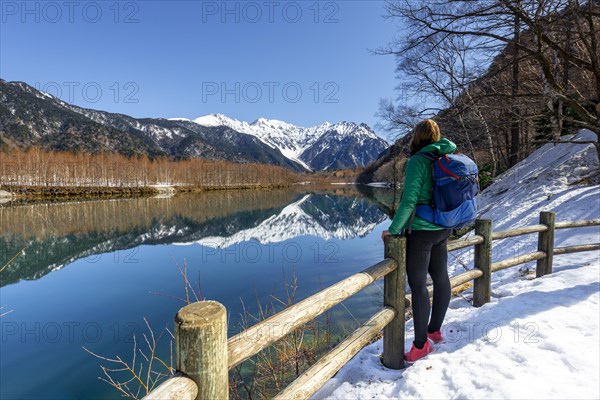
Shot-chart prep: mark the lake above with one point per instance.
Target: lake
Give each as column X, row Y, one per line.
column 90, row 273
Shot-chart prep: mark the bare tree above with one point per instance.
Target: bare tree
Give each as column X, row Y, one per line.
column 541, row 58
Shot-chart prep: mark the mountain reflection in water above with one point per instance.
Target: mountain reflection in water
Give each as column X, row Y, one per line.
column 53, row 235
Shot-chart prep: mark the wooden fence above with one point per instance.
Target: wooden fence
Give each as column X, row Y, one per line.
column 204, row 354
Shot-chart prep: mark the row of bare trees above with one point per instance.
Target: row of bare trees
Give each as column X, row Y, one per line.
column 35, row 167
column 501, row 76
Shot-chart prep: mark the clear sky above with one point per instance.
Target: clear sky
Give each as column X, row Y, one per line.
column 303, row 62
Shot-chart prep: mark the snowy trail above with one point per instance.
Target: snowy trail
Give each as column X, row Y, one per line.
column 537, row 338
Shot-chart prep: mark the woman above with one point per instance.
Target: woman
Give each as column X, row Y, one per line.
column 426, row 242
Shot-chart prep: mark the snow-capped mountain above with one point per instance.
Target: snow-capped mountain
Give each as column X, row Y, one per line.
column 322, row 147
column 31, row 117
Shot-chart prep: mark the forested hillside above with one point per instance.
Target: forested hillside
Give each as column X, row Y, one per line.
column 501, row 78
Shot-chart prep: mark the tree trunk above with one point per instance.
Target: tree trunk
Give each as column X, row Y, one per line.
column 515, row 130
column 488, row 134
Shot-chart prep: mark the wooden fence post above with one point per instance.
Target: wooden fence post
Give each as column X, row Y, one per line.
column 483, row 261
column 546, row 244
column 394, row 285
column 201, row 348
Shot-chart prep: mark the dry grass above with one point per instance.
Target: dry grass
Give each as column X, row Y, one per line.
column 261, row 377
column 137, row 377
column 271, row 370
column 457, row 291
column 3, row 313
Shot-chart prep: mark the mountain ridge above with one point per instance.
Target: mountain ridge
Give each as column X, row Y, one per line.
column 298, row 143
column 31, row 117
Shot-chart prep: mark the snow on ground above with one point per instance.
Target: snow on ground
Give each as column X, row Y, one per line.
column 537, row 338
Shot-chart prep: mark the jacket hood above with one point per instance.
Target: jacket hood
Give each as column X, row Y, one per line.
column 441, row 147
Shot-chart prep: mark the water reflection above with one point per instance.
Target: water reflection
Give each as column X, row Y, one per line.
column 103, row 263
column 53, row 235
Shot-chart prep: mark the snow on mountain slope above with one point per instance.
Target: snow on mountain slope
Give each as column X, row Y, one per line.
column 294, row 141
column 546, row 181
column 541, row 180
column 47, row 118
column 288, row 138
column 537, row 338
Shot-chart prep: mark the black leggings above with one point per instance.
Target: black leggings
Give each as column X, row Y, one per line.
column 427, row 252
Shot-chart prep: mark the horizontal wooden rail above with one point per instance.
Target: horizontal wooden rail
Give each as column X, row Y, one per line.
column 576, row 249
column 318, row 374
column 461, row 243
column 455, row 281
column 178, row 387
column 511, row 262
column 519, row 231
column 254, row 339
column 464, row 277
column 249, row 342
column 577, row 224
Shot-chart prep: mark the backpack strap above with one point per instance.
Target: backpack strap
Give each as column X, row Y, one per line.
column 446, row 170
column 428, row 154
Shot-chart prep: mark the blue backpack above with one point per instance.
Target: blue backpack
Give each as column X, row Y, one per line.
column 455, row 185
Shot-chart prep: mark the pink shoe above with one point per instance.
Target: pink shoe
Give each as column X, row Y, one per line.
column 435, row 337
column 414, row 354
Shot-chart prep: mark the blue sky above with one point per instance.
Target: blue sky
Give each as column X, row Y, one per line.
column 299, row 61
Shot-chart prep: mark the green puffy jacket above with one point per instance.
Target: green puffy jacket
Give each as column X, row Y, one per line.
column 418, row 188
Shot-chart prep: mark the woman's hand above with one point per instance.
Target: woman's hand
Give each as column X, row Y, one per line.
column 384, row 234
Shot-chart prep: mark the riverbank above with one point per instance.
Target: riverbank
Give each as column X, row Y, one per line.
column 30, row 192
column 109, row 192
column 68, row 192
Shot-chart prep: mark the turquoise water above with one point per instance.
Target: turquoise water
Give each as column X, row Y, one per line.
column 90, row 272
